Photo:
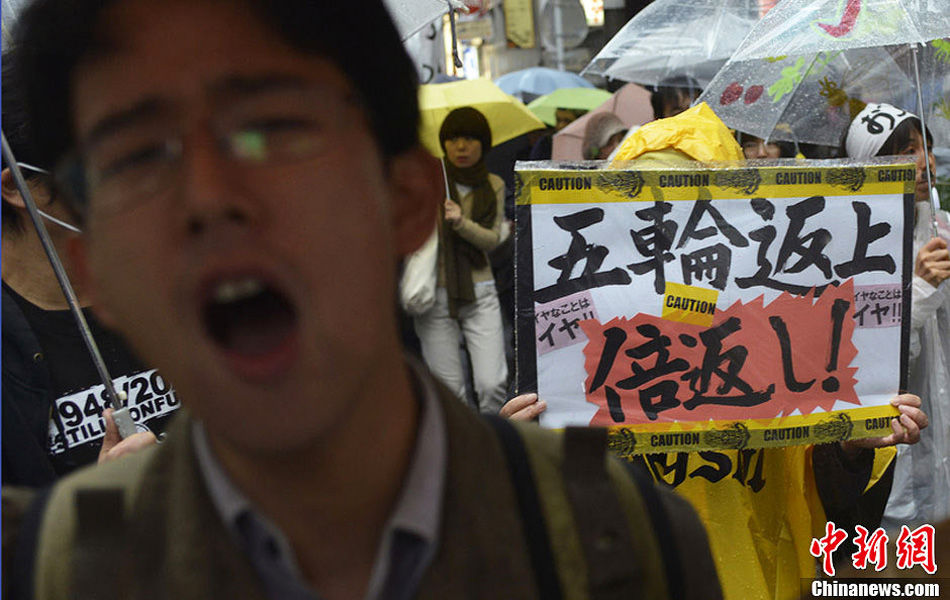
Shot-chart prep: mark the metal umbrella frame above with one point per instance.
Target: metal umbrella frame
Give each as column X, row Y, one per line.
column 676, row 37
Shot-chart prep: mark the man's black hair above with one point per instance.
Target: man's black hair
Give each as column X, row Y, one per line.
column 670, row 90
column 358, row 36
column 820, row 151
column 786, row 149
column 15, row 129
column 900, row 137
column 897, row 141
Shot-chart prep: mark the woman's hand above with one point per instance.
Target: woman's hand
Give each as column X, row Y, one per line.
column 933, row 262
column 453, row 212
column 525, row 407
column 906, row 427
column 113, row 446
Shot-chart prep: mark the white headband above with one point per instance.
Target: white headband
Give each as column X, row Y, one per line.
column 871, row 128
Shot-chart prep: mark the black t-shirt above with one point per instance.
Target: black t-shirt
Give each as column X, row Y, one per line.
column 76, row 430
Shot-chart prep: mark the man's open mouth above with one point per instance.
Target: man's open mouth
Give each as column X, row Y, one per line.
column 249, row 317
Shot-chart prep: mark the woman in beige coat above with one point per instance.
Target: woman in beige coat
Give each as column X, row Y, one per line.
column 466, row 300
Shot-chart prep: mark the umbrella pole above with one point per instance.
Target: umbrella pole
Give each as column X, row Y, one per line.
column 559, row 34
column 122, row 418
column 934, row 203
column 445, row 178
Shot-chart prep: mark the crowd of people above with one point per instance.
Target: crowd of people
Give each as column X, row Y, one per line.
column 234, row 207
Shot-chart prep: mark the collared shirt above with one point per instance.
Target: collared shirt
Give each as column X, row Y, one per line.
column 410, row 535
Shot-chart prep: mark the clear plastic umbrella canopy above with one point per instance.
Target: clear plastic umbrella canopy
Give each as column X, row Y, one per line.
column 412, row 15
column 809, row 65
column 935, row 83
column 10, row 11
column 810, row 26
column 676, row 37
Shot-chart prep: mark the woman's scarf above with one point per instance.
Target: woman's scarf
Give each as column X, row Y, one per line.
column 458, row 255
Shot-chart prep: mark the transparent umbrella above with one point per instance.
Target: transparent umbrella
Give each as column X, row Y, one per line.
column 803, row 71
column 10, row 10
column 412, row 15
column 676, row 37
column 809, row 98
column 807, row 66
column 935, row 88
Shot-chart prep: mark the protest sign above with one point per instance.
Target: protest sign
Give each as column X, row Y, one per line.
column 743, row 306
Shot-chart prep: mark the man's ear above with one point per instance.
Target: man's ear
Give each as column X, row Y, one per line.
column 415, row 179
column 10, row 191
column 83, row 280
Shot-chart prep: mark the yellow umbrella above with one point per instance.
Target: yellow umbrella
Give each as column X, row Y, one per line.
column 506, row 115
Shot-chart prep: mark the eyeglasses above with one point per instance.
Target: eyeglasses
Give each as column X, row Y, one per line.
column 143, row 159
column 48, row 217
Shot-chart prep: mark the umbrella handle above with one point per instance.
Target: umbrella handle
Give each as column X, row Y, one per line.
column 455, row 53
column 123, row 418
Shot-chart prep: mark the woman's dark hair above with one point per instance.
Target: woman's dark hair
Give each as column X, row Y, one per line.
column 466, row 122
column 786, row 149
column 671, row 90
column 358, row 36
column 901, row 136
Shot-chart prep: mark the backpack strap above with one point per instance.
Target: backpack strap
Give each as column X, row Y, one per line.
column 613, row 571
column 532, row 517
column 672, row 565
column 23, row 562
column 100, row 527
column 100, row 540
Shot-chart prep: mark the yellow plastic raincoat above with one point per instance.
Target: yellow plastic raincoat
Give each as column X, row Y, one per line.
column 761, row 507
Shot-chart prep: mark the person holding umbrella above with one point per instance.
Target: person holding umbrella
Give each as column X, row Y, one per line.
column 466, row 298
column 52, row 395
column 921, row 491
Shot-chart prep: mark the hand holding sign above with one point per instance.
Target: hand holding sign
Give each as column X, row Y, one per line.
column 906, row 427
column 525, row 407
column 933, row 262
column 113, row 446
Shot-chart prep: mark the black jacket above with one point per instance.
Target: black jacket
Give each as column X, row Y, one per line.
column 27, row 398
